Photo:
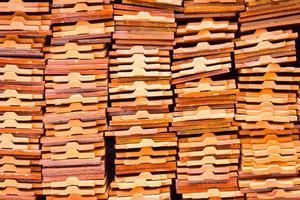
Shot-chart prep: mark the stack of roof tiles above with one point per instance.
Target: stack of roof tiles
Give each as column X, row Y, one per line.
column 23, row 28
column 76, row 96
column 204, row 103
column 269, row 14
column 268, row 80
column 215, row 80
column 140, row 97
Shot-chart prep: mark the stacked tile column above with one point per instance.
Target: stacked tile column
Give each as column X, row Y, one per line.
column 74, row 153
column 268, row 80
column 23, row 29
column 205, row 89
column 140, row 99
